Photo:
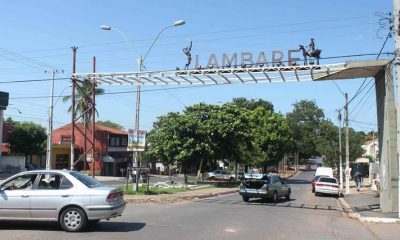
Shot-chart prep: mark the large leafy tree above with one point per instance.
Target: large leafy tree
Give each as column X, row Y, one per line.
column 327, row 143
column 28, row 138
column 304, row 122
column 252, row 104
column 272, row 136
column 179, row 138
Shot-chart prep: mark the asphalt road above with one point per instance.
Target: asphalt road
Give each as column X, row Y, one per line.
column 225, row 217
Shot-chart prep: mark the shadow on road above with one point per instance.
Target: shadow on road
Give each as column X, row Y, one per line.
column 285, row 204
column 115, row 227
column 53, row 226
column 298, row 181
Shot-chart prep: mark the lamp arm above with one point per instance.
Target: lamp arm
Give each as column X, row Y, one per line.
column 125, row 39
column 147, row 53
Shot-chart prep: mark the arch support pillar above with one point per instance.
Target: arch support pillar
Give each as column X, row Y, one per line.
column 387, row 133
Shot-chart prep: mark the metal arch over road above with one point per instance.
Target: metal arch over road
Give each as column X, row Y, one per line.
column 347, row 70
column 378, row 69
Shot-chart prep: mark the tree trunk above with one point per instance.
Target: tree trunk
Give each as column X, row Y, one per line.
column 185, row 178
column 236, row 171
column 200, row 168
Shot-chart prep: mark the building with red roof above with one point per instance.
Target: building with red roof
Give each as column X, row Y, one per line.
column 110, row 144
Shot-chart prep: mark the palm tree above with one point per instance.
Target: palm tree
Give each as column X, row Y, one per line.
column 83, row 102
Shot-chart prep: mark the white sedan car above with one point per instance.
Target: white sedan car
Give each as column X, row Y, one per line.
column 68, row 197
column 327, row 185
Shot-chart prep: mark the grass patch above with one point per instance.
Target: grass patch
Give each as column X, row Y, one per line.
column 152, row 191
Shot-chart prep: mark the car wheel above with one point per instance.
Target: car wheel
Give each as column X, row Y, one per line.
column 288, row 195
column 213, row 178
column 245, row 198
column 231, row 179
column 275, row 197
column 73, row 219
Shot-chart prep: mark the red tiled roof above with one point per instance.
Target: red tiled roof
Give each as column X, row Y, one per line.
column 99, row 127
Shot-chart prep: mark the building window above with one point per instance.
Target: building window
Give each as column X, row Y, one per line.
column 117, row 141
column 124, row 141
column 112, row 141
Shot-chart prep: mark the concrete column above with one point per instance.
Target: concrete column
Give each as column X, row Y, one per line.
column 387, row 126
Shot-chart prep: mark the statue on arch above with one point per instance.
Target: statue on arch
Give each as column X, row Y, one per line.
column 312, row 52
column 187, row 51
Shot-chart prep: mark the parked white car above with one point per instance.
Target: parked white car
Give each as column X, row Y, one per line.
column 68, row 197
column 327, row 185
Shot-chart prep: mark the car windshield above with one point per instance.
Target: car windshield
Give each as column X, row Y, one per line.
column 88, row 181
column 328, row 180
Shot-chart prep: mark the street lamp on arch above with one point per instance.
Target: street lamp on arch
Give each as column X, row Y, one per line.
column 140, row 62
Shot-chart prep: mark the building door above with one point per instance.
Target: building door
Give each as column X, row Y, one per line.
column 62, row 161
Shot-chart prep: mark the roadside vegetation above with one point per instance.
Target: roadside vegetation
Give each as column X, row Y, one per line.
column 246, row 132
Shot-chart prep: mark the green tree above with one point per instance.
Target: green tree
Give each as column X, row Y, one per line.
column 304, row 122
column 83, row 99
column 179, row 138
column 83, row 104
column 110, row 124
column 252, row 104
column 11, row 121
column 327, row 143
column 28, row 138
column 271, row 133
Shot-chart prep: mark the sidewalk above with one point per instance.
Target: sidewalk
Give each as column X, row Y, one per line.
column 365, row 205
column 178, row 197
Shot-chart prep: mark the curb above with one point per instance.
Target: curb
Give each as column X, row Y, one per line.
column 175, row 199
column 214, row 194
column 354, row 215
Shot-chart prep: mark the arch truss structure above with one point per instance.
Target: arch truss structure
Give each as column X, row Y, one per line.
column 380, row 70
column 237, row 75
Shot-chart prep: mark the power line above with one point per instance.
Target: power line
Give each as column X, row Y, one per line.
column 33, row 80
column 377, row 57
column 208, row 33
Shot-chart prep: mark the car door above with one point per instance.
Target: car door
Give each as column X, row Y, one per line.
column 284, row 187
column 53, row 191
column 15, row 196
column 218, row 174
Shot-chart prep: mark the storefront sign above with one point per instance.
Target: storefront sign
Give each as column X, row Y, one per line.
column 136, row 140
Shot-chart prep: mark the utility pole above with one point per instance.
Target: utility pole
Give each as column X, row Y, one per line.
column 50, row 127
column 137, row 115
column 396, row 27
column 346, row 119
column 73, row 109
column 340, row 151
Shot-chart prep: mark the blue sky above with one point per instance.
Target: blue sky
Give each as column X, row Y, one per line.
column 42, row 33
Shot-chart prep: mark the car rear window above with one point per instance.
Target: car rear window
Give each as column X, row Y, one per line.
column 328, row 180
column 88, row 181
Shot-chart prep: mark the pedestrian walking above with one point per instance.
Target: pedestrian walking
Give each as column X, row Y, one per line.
column 358, row 179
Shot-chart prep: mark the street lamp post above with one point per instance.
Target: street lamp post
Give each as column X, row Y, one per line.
column 140, row 62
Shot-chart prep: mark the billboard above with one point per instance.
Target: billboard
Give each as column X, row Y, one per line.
column 136, row 140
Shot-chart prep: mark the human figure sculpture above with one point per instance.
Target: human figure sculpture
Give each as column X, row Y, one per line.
column 311, row 53
column 188, row 54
